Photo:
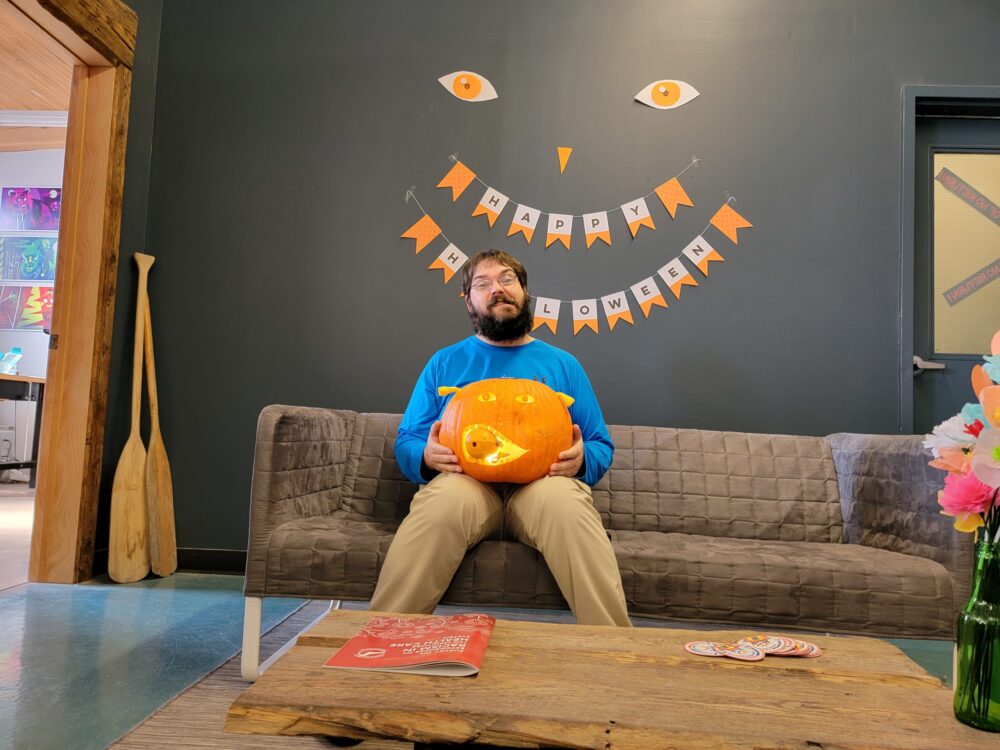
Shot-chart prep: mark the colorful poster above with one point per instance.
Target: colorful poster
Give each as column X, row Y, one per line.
column 28, row 258
column 24, row 208
column 25, row 307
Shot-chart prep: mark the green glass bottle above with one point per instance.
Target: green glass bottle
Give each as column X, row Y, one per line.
column 977, row 676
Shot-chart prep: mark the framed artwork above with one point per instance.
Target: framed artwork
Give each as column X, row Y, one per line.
column 30, row 208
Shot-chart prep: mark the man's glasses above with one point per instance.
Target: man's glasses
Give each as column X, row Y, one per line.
column 484, row 285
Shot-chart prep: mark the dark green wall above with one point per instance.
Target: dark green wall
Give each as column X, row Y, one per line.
column 138, row 156
column 287, row 132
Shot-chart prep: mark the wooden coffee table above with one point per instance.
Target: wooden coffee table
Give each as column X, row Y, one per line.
column 574, row 686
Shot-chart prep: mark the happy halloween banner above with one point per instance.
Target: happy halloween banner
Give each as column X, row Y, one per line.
column 674, row 276
column 559, row 227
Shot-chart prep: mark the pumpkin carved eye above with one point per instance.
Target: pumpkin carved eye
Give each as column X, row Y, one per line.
column 487, row 397
column 525, row 398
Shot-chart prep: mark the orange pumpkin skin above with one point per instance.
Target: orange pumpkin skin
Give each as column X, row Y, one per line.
column 506, row 429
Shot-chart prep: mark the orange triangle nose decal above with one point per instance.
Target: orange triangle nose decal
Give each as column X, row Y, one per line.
column 564, row 152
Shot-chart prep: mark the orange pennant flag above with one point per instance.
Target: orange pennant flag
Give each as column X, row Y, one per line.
column 458, row 179
column 546, row 313
column 637, row 215
column 584, row 315
column 424, row 231
column 560, row 229
column 616, row 308
column 450, row 261
column 676, row 276
column 596, row 227
column 727, row 221
column 701, row 253
column 672, row 195
column 648, row 295
column 491, row 204
column 525, row 220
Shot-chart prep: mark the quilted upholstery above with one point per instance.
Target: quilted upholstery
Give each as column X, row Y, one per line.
column 836, row 534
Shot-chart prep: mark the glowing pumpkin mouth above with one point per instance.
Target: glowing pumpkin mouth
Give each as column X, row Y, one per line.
column 487, row 446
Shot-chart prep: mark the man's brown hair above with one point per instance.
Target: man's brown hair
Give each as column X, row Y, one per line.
column 493, row 256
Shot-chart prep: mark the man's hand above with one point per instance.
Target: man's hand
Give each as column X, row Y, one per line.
column 439, row 457
column 571, row 459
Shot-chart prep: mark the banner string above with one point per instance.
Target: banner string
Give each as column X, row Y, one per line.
column 410, row 193
column 694, row 163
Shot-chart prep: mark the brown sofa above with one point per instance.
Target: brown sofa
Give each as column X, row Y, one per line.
column 837, row 534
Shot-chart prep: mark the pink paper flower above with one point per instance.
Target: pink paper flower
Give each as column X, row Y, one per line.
column 964, row 493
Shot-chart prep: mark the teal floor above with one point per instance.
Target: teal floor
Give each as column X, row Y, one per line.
column 81, row 665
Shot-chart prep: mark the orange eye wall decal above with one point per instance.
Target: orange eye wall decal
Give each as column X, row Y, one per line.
column 469, row 86
column 666, row 94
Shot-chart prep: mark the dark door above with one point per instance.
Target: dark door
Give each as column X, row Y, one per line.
column 957, row 260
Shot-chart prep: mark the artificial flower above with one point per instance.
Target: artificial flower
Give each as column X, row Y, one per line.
column 992, row 367
column 986, row 458
column 964, row 493
column 990, row 399
column 966, row 522
column 971, row 412
column 975, row 428
column 949, row 434
column 953, row 460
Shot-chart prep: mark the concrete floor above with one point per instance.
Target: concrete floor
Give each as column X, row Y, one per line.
column 17, row 503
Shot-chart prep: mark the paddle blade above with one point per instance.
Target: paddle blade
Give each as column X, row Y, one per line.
column 128, row 543
column 160, row 503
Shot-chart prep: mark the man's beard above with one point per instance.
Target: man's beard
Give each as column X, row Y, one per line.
column 489, row 326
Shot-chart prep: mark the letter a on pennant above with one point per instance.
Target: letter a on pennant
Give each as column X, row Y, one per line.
column 458, row 179
column 727, row 221
column 546, row 313
column 525, row 220
column 584, row 315
column 616, row 308
column 491, row 204
column 424, row 231
column 449, row 261
column 672, row 195
column 560, row 229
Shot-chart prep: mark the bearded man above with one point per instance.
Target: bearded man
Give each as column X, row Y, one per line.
column 452, row 512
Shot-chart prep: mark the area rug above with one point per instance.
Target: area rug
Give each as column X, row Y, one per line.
column 194, row 718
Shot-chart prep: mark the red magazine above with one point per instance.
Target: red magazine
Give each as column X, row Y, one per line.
column 451, row 646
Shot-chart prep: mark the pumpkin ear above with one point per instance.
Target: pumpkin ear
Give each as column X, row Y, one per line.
column 567, row 400
column 447, row 390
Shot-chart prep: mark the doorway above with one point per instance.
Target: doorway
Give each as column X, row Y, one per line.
column 951, row 248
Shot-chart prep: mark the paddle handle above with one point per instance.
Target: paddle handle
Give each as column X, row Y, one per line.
column 154, row 406
column 144, row 262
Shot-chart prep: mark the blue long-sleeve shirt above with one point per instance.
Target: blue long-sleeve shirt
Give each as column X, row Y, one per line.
column 473, row 359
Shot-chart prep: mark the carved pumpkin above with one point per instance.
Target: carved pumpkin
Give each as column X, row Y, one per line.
column 506, row 429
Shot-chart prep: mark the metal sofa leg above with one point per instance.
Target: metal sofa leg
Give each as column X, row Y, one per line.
column 250, row 661
column 250, row 665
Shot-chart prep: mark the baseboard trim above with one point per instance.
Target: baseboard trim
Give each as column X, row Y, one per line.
column 228, row 561
column 193, row 560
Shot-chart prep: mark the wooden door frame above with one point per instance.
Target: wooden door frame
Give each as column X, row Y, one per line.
column 914, row 96
column 101, row 35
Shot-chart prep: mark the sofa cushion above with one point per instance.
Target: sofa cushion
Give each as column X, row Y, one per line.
column 812, row 586
column 337, row 556
column 721, row 484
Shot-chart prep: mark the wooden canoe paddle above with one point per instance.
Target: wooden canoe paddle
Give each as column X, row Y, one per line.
column 159, row 485
column 128, row 544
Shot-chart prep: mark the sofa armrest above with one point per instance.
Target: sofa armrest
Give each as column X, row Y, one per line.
column 300, row 461
column 888, row 498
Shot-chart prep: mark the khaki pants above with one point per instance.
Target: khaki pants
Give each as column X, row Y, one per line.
column 554, row 515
